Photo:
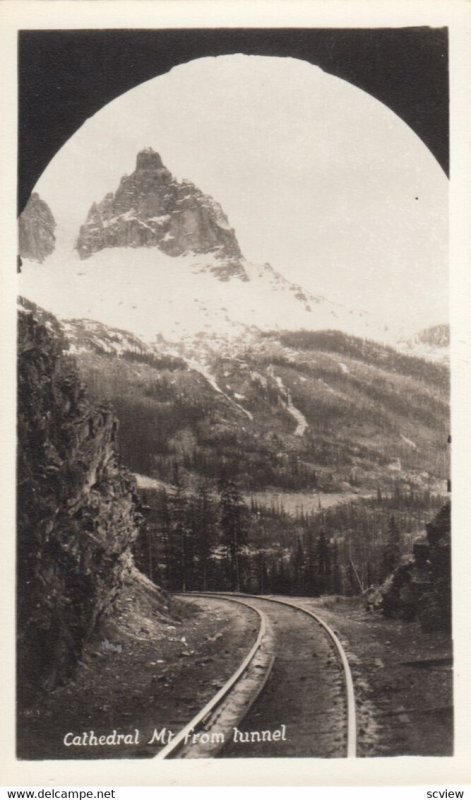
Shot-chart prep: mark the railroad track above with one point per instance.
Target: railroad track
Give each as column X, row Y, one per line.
column 323, row 716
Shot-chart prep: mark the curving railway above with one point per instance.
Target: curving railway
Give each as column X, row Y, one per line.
column 292, row 695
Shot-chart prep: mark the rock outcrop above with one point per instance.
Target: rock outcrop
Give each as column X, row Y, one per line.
column 77, row 509
column 151, row 208
column 432, row 343
column 421, row 589
column 437, row 336
column 36, row 230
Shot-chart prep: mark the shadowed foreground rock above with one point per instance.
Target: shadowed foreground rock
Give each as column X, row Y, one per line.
column 421, row 589
column 77, row 510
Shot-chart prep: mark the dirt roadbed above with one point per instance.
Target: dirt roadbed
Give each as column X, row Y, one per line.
column 139, row 675
column 144, row 675
column 403, row 680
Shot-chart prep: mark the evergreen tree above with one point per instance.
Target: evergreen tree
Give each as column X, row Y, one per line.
column 262, row 573
column 234, row 529
column 165, row 531
column 392, row 548
column 299, row 566
column 204, row 532
column 335, row 570
column 323, row 563
column 311, row 578
column 179, row 538
column 279, row 581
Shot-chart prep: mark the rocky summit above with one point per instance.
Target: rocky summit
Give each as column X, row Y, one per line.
column 158, row 257
column 151, row 208
column 36, row 230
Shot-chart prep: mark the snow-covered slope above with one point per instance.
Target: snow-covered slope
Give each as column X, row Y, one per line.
column 432, row 344
column 147, row 292
column 158, row 258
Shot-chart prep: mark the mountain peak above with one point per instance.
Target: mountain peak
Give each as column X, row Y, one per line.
column 148, row 159
column 36, row 230
column 150, row 208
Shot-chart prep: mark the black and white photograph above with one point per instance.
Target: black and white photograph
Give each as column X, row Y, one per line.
column 233, row 508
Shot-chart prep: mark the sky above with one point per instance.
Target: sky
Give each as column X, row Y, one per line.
column 317, row 177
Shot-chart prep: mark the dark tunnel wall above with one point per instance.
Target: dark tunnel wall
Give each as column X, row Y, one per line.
column 66, row 76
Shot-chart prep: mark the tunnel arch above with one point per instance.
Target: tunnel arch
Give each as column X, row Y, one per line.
column 65, row 77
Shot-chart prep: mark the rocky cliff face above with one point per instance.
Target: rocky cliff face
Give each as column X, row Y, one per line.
column 36, row 230
column 421, row 589
column 437, row 335
column 432, row 343
column 152, row 209
column 77, row 509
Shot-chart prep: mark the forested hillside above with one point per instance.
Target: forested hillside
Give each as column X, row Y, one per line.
column 298, row 412
column 219, row 540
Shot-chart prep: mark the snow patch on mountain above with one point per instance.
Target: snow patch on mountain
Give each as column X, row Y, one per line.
column 287, row 401
column 408, row 442
column 150, row 208
column 149, row 293
column 297, row 415
column 207, row 374
column 431, row 343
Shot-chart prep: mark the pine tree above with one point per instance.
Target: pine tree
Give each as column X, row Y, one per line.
column 323, row 563
column 311, row 577
column 165, row 528
column 299, row 567
column 178, row 540
column 392, row 548
column 204, row 531
column 234, row 528
column 262, row 573
column 336, row 573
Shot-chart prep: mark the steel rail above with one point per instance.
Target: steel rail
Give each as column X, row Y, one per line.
column 349, row 688
column 181, row 737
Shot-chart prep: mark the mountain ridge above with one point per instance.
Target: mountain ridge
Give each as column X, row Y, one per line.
column 327, row 413
column 36, row 226
column 158, row 257
column 150, row 208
